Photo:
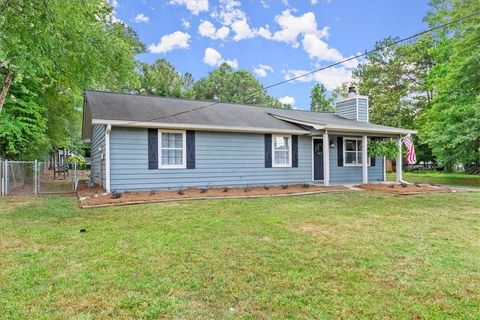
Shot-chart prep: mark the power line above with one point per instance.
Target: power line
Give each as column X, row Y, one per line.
column 328, row 66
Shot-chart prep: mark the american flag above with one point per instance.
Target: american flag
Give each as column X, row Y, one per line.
column 408, row 142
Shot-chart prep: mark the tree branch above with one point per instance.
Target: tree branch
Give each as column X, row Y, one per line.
column 5, row 89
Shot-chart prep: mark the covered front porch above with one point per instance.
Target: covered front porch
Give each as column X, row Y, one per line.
column 340, row 157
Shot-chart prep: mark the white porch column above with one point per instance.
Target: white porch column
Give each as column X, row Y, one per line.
column 326, row 159
column 365, row 159
column 399, row 160
column 107, row 157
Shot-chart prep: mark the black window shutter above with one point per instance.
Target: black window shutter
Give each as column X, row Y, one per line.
column 340, row 151
column 372, row 159
column 295, row 151
column 152, row 149
column 268, row 150
column 190, row 149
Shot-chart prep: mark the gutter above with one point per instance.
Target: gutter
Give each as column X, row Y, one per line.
column 325, row 126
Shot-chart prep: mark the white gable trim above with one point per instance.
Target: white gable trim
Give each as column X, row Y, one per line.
column 160, row 125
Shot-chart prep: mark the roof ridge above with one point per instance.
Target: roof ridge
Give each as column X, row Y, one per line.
column 206, row 101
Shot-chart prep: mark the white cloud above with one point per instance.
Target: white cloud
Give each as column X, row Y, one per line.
column 242, row 30
column 176, row 40
column 316, row 48
column 314, row 2
column 330, row 78
column 194, row 6
column 287, row 100
column 185, row 24
column 228, row 12
column 207, row 29
column 292, row 26
column 262, row 70
column 141, row 18
column 213, row 58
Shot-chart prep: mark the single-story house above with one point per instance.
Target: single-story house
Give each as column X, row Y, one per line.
column 153, row 143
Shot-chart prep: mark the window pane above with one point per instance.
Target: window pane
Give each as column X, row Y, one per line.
column 172, row 149
column 350, row 145
column 172, row 157
column 281, row 148
column 350, row 157
column 172, row 140
column 178, row 157
column 281, row 157
column 359, row 157
column 281, row 143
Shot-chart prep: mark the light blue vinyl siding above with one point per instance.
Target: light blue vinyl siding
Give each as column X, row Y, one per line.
column 347, row 109
column 222, row 159
column 97, row 165
column 362, row 109
column 349, row 174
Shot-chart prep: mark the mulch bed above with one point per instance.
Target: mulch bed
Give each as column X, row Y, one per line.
column 405, row 189
column 96, row 197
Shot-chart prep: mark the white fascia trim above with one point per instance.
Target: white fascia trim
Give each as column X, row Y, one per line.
column 370, row 130
column 183, row 126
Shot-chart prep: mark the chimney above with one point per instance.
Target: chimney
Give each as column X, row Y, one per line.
column 353, row 107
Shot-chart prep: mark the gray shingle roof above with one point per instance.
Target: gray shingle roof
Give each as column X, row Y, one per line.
column 139, row 109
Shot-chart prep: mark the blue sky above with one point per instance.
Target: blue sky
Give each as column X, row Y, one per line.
column 275, row 39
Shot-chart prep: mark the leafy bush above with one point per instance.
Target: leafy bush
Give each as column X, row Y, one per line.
column 383, row 148
column 76, row 158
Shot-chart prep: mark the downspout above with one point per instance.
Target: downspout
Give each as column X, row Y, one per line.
column 107, row 157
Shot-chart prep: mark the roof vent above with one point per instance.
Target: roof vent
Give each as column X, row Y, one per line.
column 352, row 92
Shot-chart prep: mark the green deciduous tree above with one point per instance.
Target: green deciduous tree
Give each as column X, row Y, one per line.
column 23, row 123
column 162, row 79
column 451, row 125
column 319, row 101
column 233, row 86
column 395, row 79
column 66, row 46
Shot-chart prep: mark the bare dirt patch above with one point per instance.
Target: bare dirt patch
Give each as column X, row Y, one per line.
column 405, row 189
column 97, row 196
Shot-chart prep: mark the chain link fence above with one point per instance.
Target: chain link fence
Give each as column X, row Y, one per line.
column 34, row 177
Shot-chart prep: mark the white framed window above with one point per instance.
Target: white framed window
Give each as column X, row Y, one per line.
column 281, row 151
column 172, row 151
column 352, row 152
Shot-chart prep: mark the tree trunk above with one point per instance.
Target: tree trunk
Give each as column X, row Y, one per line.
column 5, row 89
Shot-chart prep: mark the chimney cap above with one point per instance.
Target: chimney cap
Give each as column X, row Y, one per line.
column 352, row 91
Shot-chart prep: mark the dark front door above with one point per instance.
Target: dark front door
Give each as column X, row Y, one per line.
column 317, row 159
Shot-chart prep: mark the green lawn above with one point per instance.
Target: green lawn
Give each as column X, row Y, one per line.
column 338, row 255
column 435, row 177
